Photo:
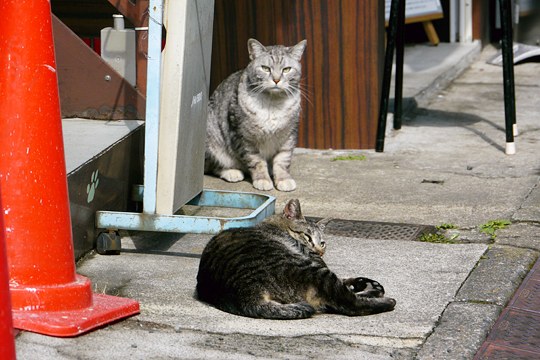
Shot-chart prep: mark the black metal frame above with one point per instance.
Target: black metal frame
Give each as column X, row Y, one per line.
column 396, row 25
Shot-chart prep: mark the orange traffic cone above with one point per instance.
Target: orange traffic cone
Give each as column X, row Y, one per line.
column 7, row 338
column 47, row 296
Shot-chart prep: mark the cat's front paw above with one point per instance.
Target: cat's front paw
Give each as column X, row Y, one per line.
column 263, row 184
column 286, row 185
column 232, row 175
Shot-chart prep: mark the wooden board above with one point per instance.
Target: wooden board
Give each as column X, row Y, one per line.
column 185, row 78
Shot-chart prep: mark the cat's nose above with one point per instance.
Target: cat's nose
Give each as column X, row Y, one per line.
column 276, row 81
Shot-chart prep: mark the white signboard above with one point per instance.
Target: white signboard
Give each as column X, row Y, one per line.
column 417, row 8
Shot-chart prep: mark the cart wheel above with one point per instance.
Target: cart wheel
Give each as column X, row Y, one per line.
column 108, row 243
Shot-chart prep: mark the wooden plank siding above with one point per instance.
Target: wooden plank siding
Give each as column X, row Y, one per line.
column 342, row 65
column 481, row 14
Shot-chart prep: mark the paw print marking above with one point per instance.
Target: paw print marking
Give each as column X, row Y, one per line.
column 91, row 188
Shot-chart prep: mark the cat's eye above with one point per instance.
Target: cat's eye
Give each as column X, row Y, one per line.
column 265, row 69
column 323, row 243
column 286, row 70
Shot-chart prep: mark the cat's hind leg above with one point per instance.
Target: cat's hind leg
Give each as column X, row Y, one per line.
column 364, row 287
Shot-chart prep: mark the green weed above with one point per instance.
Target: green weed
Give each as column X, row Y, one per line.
column 490, row 228
column 445, row 226
column 349, row 157
column 437, row 238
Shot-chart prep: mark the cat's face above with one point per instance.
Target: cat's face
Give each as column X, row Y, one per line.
column 275, row 69
column 308, row 232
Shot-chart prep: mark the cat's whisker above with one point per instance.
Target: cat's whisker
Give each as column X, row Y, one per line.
column 306, row 97
column 304, row 93
column 258, row 88
column 290, row 92
column 304, row 88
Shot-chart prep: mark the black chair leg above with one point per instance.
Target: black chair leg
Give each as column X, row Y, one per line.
column 508, row 75
column 398, row 98
column 387, row 73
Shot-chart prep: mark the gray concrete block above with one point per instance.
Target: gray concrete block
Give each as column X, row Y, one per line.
column 460, row 332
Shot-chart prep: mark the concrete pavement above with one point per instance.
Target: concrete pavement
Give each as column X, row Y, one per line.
column 445, row 166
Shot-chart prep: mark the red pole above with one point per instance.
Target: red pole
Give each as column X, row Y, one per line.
column 7, row 335
column 43, row 282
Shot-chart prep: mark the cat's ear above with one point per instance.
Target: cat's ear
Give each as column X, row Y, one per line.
column 323, row 222
column 292, row 210
column 297, row 50
column 255, row 48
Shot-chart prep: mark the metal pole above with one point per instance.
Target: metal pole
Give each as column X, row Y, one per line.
column 465, row 21
column 151, row 135
column 398, row 98
column 453, row 20
column 508, row 74
column 387, row 74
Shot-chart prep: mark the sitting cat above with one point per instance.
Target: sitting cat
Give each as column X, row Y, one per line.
column 275, row 271
column 253, row 118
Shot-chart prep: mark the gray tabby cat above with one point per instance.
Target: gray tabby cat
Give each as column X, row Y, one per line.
column 275, row 271
column 253, row 118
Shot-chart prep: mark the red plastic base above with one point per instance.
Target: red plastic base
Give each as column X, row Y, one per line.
column 104, row 309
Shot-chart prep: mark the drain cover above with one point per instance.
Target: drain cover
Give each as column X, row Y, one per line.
column 516, row 334
column 376, row 230
column 494, row 352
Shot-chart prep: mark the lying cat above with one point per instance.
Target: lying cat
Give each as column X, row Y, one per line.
column 275, row 271
column 253, row 118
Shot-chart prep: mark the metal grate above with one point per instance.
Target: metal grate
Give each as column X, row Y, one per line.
column 529, row 298
column 516, row 333
column 518, row 329
column 494, row 352
column 376, row 230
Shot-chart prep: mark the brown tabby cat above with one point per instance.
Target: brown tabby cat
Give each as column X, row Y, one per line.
column 275, row 271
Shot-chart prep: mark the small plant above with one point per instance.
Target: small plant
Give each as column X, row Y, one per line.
column 349, row 157
column 437, row 238
column 490, row 228
column 445, row 226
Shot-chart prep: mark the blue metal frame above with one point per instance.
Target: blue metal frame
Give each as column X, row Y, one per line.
column 263, row 205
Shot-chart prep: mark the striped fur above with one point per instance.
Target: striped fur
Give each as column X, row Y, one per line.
column 253, row 117
column 275, row 271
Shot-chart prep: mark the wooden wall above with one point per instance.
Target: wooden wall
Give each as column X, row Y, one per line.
column 481, row 13
column 342, row 64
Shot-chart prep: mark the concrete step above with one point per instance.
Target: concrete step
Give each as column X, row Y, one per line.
column 103, row 159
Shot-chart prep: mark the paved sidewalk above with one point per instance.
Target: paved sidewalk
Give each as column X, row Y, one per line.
column 445, row 166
